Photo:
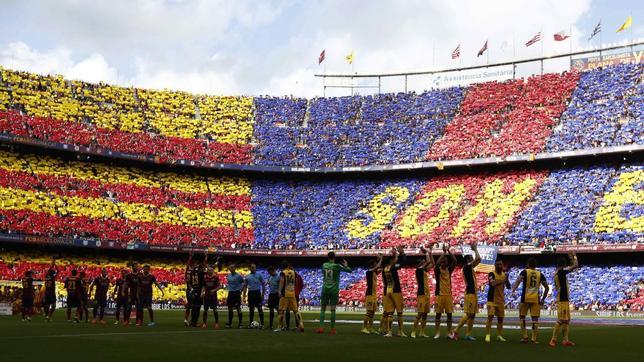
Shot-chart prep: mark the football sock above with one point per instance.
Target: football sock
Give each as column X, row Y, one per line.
column 271, row 317
column 524, row 330
column 555, row 330
column 470, row 325
column 261, row 316
column 333, row 318
column 461, row 323
column 566, row 328
column 488, row 326
column 400, row 322
column 416, row 322
column 535, row 328
column 499, row 328
column 423, row 324
column 322, row 316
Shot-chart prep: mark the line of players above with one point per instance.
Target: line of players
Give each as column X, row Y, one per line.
column 530, row 279
column 202, row 285
column 133, row 289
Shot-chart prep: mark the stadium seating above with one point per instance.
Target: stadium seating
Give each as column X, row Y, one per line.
column 550, row 112
column 605, row 110
column 51, row 197
column 166, row 124
column 614, row 286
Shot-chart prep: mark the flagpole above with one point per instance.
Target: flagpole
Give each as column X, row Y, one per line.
column 600, row 42
column 433, row 54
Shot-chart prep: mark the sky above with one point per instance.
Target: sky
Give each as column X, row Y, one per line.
column 271, row 47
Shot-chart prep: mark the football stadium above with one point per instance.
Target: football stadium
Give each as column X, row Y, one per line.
column 187, row 180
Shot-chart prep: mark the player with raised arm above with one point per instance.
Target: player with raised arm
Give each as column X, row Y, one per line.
column 72, row 285
column 209, row 295
column 288, row 302
column 146, row 281
column 532, row 281
column 371, row 295
column 563, row 307
column 444, row 303
column 331, row 289
column 121, row 296
column 470, row 300
column 254, row 289
column 102, row 284
column 28, row 296
column 234, row 285
column 497, row 283
column 273, row 294
column 49, row 301
column 392, row 299
column 422, row 295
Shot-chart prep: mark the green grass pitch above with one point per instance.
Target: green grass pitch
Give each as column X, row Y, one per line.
column 171, row 341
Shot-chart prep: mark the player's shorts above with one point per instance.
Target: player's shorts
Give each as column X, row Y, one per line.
column 392, row 302
column 329, row 297
column 422, row 304
column 371, row 303
column 494, row 309
column 233, row 299
column 210, row 302
column 444, row 304
column 563, row 311
column 72, row 302
column 255, row 298
column 471, row 304
column 27, row 302
column 533, row 308
column 273, row 301
column 145, row 300
column 288, row 303
column 49, row 299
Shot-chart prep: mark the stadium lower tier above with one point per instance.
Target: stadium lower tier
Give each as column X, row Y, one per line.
column 57, row 198
column 551, row 112
column 618, row 286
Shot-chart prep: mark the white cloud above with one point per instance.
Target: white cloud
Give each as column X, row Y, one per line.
column 271, row 47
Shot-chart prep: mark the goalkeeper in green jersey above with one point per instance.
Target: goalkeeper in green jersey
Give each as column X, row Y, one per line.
column 331, row 289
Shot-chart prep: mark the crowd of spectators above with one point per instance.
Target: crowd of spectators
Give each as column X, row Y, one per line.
column 605, row 110
column 169, row 125
column 600, row 107
column 594, row 204
column 51, row 197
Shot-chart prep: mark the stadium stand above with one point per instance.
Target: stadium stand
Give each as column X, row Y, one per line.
column 551, row 112
column 54, row 197
column 51, row 197
column 605, row 110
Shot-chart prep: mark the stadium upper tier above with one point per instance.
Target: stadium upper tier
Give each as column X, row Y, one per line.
column 551, row 112
column 55, row 198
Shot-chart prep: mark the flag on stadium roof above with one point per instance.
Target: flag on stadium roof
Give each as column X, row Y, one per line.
column 457, row 52
column 349, row 57
column 627, row 24
column 321, row 57
column 561, row 36
column 482, row 50
column 535, row 39
column 597, row 30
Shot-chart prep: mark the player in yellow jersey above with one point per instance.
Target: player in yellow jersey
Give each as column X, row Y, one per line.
column 371, row 295
column 563, row 308
column 422, row 300
column 288, row 302
column 470, row 300
column 443, row 276
column 498, row 282
column 532, row 281
column 392, row 299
